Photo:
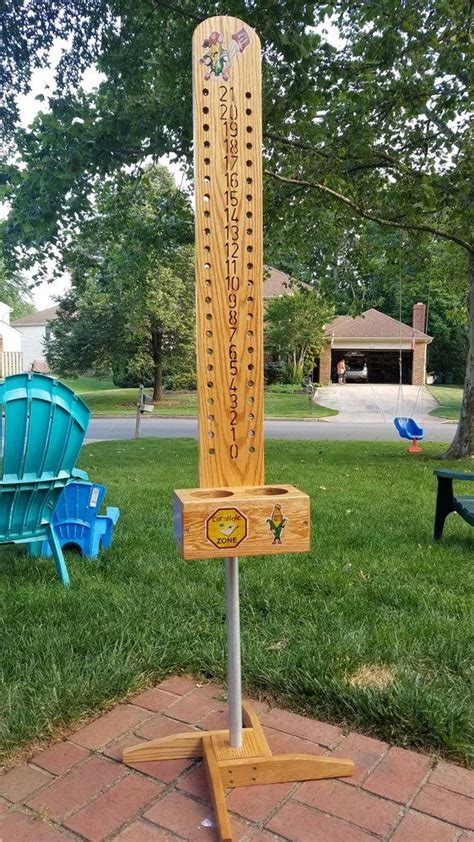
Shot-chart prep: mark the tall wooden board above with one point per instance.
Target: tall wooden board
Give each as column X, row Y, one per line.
column 229, row 260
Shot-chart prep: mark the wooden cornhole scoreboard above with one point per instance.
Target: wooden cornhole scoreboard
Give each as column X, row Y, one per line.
column 233, row 513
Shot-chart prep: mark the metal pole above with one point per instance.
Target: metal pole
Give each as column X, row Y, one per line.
column 234, row 681
column 139, row 415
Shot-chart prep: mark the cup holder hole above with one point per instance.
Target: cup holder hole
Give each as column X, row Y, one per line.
column 212, row 492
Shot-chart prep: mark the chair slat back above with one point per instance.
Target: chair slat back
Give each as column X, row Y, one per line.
column 44, row 427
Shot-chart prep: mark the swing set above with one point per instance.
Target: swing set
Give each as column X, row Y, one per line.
column 406, row 425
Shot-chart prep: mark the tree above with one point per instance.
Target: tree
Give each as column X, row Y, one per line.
column 14, row 292
column 294, row 330
column 375, row 128
column 131, row 307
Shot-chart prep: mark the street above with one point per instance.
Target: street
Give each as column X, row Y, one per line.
column 103, row 429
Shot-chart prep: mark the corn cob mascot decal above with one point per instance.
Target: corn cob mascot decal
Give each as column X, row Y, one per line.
column 277, row 523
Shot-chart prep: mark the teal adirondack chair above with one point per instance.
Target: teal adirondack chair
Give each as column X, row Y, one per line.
column 44, row 427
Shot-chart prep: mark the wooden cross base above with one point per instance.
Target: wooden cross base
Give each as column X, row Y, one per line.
column 227, row 767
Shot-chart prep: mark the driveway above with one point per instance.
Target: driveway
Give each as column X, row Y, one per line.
column 368, row 402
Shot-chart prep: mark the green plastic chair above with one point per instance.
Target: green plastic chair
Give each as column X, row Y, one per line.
column 44, row 427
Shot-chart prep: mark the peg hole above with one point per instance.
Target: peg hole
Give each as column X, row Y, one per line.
column 249, row 197
column 250, row 349
column 208, row 315
column 251, row 450
column 251, row 416
column 206, row 197
column 249, row 248
column 207, row 144
column 207, row 231
column 250, row 333
column 251, row 384
column 211, row 451
column 205, row 110
column 248, row 95
column 249, row 163
column 248, row 145
column 250, row 366
column 249, row 266
column 210, row 401
column 207, row 161
column 208, row 332
column 206, row 127
column 205, row 92
column 210, row 384
column 248, row 111
column 208, row 299
column 210, row 418
column 210, row 368
column 208, row 282
column 210, row 434
column 249, row 180
column 249, row 299
column 250, row 400
column 249, row 214
column 207, row 213
column 248, row 129
column 249, row 231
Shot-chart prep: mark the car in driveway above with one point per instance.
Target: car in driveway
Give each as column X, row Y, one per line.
column 356, row 369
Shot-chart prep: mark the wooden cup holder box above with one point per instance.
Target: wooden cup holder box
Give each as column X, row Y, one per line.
column 220, row 522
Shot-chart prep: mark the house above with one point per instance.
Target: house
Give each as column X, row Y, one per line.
column 277, row 283
column 379, row 339
column 373, row 335
column 35, row 329
column 10, row 344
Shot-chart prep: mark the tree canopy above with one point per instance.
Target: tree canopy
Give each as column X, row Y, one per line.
column 372, row 124
column 131, row 306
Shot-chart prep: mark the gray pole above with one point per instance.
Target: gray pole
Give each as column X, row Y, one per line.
column 234, row 681
column 139, row 415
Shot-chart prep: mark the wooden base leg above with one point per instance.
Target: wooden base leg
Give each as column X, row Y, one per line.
column 227, row 767
column 211, row 765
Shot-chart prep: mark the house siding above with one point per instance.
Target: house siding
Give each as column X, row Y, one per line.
column 33, row 344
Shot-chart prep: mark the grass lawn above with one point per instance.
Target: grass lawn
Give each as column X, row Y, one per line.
column 449, row 399
column 371, row 628
column 104, row 398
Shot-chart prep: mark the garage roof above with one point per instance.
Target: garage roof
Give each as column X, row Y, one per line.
column 372, row 324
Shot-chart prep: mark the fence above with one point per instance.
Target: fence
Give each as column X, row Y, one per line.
column 11, row 362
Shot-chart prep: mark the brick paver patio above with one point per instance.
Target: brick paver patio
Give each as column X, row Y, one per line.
column 78, row 789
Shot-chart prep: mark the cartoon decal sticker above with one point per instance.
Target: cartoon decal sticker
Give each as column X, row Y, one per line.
column 217, row 59
column 226, row 528
column 276, row 523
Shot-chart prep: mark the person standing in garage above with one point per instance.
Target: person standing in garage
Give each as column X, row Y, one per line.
column 341, row 372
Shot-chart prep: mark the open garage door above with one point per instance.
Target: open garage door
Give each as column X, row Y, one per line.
column 382, row 366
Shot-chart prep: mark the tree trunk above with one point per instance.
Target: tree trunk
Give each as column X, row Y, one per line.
column 156, row 344
column 463, row 442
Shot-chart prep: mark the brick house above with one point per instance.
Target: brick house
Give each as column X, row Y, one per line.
column 378, row 338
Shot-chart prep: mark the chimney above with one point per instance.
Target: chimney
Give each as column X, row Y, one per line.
column 419, row 314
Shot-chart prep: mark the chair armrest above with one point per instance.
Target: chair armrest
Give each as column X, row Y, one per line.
column 113, row 513
column 453, row 474
column 78, row 474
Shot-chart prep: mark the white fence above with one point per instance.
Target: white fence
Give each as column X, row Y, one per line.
column 11, row 362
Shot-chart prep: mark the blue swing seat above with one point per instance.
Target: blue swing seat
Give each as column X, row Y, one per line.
column 76, row 519
column 408, row 428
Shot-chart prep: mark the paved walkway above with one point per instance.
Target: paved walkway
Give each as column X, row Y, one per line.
column 365, row 402
column 79, row 790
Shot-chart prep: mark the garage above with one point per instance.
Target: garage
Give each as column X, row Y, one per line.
column 381, row 366
column 370, row 345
